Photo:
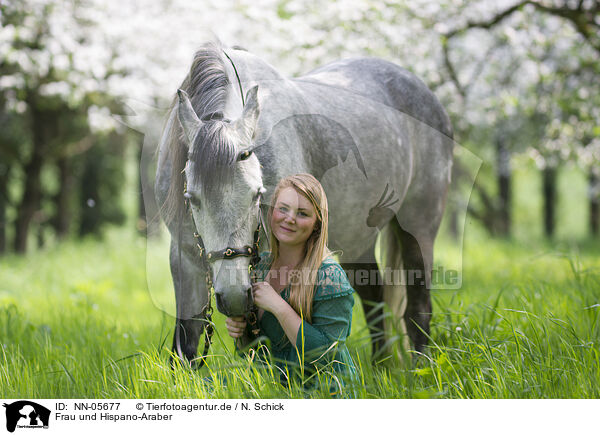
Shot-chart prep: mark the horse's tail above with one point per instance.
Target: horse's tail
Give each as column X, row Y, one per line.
column 394, row 292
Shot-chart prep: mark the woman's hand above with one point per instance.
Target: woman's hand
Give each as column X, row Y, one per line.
column 235, row 326
column 266, row 297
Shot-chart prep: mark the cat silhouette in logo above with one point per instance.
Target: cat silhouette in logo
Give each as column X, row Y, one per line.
column 29, row 411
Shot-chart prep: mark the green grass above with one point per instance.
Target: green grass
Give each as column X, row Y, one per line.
column 84, row 319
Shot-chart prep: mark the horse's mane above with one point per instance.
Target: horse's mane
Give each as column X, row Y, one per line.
column 206, row 84
column 213, row 155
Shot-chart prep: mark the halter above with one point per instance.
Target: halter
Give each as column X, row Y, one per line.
column 228, row 252
column 223, row 254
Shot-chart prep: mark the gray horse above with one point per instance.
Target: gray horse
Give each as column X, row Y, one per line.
column 373, row 134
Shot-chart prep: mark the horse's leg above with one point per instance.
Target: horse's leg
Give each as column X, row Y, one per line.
column 191, row 297
column 416, row 244
column 416, row 227
column 417, row 259
column 367, row 283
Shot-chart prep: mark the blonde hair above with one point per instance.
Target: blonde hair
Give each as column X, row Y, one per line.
column 315, row 249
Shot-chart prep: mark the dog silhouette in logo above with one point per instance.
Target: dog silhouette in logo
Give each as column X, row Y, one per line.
column 30, row 412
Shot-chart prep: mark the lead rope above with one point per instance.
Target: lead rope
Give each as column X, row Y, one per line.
column 238, row 78
column 208, row 311
column 252, row 316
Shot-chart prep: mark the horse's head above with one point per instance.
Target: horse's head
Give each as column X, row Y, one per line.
column 224, row 188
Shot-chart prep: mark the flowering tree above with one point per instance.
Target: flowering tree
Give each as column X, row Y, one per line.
column 52, row 88
column 506, row 71
column 542, row 85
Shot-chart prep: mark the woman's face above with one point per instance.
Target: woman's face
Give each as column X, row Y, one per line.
column 294, row 218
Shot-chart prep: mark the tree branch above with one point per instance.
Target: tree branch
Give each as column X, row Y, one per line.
column 488, row 23
column 79, row 147
column 451, row 71
column 582, row 19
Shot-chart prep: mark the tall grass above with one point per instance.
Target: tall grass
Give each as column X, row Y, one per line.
column 79, row 321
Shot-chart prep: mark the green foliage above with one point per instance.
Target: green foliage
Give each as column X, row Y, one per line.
column 52, row 150
column 102, row 180
column 524, row 325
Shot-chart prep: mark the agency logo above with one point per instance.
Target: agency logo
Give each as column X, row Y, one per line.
column 26, row 414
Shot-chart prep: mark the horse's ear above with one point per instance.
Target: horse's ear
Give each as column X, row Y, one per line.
column 187, row 117
column 251, row 111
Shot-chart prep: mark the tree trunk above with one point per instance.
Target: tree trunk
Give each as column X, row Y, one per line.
column 41, row 125
column 4, row 201
column 62, row 199
column 148, row 220
column 3, row 196
column 504, row 191
column 30, row 201
column 89, row 194
column 549, row 191
column 454, row 201
column 40, row 236
column 142, row 219
column 594, row 195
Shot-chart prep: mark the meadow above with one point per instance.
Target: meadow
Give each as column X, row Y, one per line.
column 80, row 322
column 90, row 319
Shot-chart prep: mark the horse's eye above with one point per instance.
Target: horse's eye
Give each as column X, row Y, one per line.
column 191, row 200
column 244, row 155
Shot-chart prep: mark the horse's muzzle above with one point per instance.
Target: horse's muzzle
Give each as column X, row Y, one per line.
column 233, row 303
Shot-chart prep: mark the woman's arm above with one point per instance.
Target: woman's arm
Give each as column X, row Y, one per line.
column 268, row 299
column 331, row 322
column 289, row 320
column 331, row 318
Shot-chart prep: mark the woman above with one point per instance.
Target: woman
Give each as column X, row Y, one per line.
column 304, row 298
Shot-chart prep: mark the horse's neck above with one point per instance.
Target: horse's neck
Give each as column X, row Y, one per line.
column 251, row 69
column 244, row 71
column 278, row 100
column 234, row 105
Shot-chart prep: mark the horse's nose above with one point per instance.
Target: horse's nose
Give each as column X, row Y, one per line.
column 232, row 301
column 221, row 306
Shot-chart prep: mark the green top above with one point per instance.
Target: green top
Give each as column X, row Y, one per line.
column 322, row 342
